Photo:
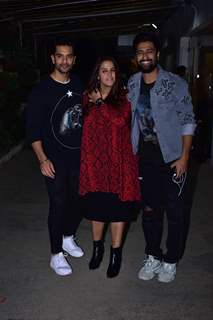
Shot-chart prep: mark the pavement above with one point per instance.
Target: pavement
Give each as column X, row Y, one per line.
column 30, row 290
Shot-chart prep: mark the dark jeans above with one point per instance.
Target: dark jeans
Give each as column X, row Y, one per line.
column 64, row 205
column 160, row 193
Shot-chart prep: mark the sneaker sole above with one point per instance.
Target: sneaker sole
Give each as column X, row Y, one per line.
column 145, row 279
column 155, row 274
column 166, row 281
column 61, row 274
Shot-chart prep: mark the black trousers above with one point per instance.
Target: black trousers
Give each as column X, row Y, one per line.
column 65, row 212
column 159, row 194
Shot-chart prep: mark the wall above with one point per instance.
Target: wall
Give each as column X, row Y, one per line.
column 182, row 25
column 204, row 13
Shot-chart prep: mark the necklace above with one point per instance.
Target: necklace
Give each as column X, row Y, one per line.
column 63, row 82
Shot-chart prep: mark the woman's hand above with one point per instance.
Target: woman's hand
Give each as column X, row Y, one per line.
column 94, row 96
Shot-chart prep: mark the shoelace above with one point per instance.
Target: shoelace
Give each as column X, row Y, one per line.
column 148, row 262
column 64, row 255
column 61, row 261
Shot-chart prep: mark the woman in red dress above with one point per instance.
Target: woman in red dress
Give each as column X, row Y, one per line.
column 109, row 183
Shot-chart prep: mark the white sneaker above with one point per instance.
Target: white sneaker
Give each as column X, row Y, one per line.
column 60, row 265
column 150, row 268
column 167, row 272
column 69, row 245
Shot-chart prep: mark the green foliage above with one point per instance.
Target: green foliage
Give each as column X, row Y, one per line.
column 26, row 71
column 11, row 115
column 15, row 83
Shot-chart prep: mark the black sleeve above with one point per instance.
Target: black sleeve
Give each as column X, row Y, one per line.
column 34, row 116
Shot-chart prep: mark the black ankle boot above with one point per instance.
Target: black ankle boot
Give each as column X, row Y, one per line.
column 97, row 256
column 115, row 262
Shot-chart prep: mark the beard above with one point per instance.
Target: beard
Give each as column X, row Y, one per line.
column 149, row 67
column 62, row 69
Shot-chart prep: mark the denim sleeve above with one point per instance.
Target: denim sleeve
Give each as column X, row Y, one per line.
column 184, row 108
column 130, row 87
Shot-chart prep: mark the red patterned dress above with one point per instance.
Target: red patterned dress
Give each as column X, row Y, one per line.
column 109, row 183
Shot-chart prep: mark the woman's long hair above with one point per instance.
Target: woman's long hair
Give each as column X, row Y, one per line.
column 117, row 92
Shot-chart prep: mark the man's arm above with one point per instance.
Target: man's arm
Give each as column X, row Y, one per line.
column 34, row 123
column 185, row 114
column 46, row 166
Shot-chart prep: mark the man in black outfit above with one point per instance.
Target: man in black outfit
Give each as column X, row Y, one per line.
column 54, row 120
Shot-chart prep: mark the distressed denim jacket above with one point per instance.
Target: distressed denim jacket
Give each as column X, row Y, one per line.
column 171, row 109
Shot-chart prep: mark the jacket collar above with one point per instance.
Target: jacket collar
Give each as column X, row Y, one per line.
column 161, row 75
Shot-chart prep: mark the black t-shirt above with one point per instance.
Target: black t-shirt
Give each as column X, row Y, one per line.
column 144, row 112
column 54, row 116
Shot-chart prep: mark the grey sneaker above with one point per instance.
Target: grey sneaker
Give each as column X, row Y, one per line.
column 150, row 268
column 167, row 272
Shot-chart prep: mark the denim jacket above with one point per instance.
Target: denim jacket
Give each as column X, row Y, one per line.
column 171, row 109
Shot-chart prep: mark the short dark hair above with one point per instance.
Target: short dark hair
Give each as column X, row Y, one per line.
column 147, row 36
column 62, row 42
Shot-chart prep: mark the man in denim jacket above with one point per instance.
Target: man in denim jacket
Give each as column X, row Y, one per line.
column 162, row 129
